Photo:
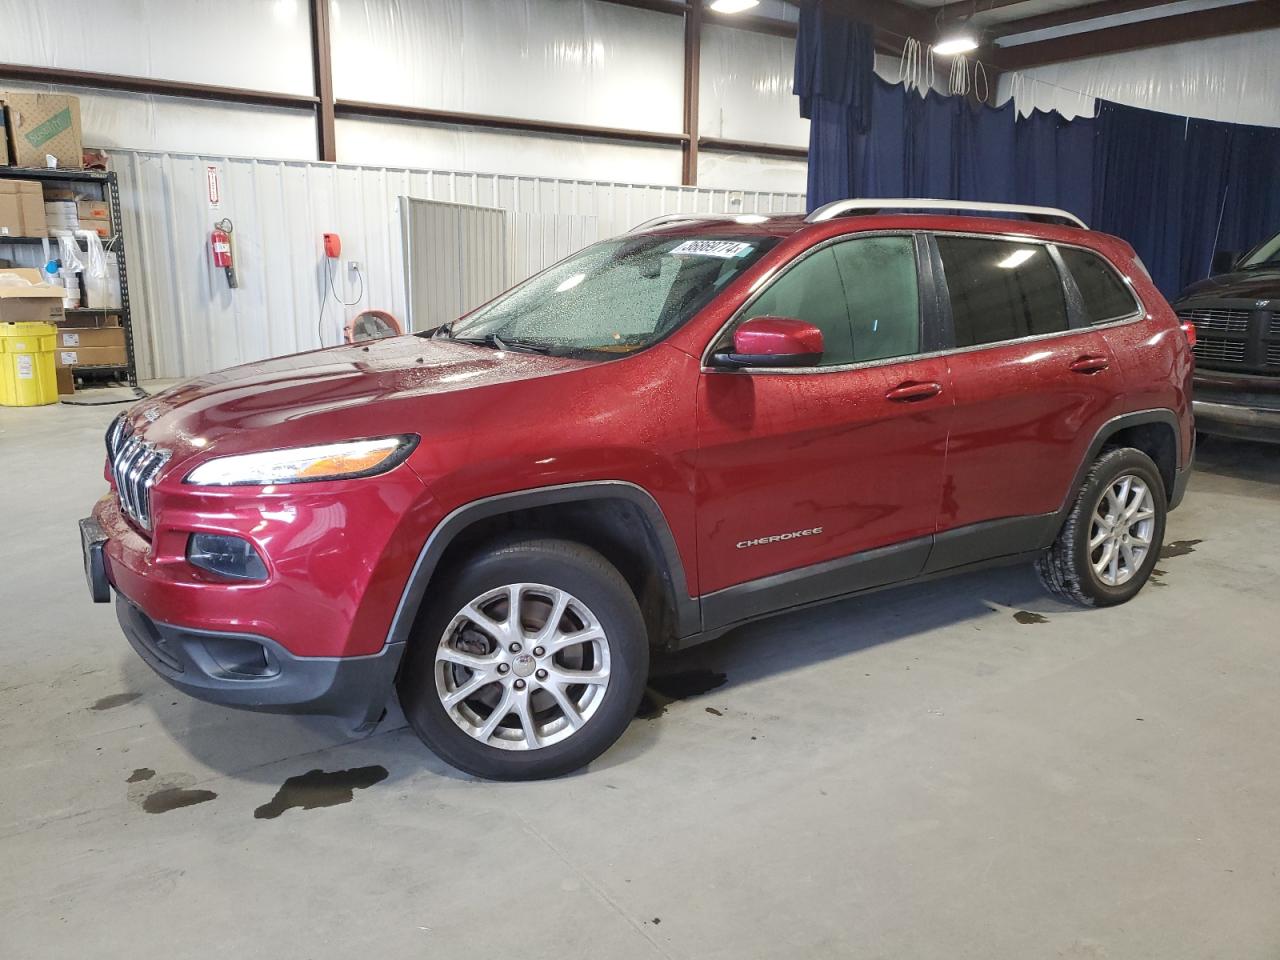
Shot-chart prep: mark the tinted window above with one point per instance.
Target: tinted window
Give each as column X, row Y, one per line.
column 1104, row 294
column 879, row 275
column 812, row 291
column 1001, row 290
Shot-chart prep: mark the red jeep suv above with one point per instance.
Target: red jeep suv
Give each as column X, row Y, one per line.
column 701, row 423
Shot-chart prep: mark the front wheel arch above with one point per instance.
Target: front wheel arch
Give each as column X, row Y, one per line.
column 668, row 607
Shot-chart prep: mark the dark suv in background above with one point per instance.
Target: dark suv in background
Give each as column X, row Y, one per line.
column 1236, row 313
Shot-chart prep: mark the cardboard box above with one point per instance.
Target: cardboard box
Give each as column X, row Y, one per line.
column 29, row 198
column 73, row 337
column 43, row 125
column 91, row 356
column 4, row 138
column 93, row 209
column 10, row 215
column 101, row 227
column 66, row 381
column 35, row 301
column 79, row 319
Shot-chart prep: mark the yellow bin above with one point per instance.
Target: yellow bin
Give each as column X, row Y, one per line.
column 28, row 377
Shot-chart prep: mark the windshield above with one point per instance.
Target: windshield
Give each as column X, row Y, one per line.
column 613, row 298
column 1267, row 254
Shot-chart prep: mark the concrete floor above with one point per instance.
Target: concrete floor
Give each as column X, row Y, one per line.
column 928, row 772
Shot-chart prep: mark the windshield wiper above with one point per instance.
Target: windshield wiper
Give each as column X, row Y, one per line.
column 511, row 344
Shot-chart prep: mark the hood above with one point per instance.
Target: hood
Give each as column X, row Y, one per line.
column 339, row 393
column 1259, row 284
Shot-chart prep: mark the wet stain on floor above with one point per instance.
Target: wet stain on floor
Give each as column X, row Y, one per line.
column 320, row 788
column 1026, row 616
column 1156, row 574
column 666, row 689
column 1178, row 548
column 172, row 798
column 714, row 712
column 115, row 700
column 142, row 773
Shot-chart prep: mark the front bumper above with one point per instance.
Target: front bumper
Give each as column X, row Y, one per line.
column 1237, row 420
column 256, row 673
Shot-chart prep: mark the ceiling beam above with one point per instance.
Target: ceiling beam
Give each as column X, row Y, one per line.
column 960, row 9
column 1062, row 18
column 1219, row 22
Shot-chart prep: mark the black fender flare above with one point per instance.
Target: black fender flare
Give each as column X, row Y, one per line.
column 687, row 609
column 1108, row 430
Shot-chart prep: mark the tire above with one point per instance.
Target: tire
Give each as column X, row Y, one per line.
column 464, row 638
column 1067, row 569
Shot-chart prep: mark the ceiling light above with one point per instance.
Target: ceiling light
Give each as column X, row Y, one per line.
column 570, row 283
column 955, row 43
column 733, row 6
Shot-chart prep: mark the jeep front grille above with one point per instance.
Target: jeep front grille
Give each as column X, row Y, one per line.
column 134, row 466
column 1220, row 320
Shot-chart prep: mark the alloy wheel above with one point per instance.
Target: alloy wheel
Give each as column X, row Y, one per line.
column 1120, row 532
column 522, row 666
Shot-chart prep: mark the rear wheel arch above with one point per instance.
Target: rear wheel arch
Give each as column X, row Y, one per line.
column 620, row 520
column 1154, row 432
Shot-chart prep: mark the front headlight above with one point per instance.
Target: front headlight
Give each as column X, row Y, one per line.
column 329, row 461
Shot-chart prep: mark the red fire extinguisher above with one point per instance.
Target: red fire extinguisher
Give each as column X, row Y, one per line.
column 223, row 252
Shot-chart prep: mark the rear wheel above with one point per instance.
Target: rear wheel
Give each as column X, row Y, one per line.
column 1111, row 540
column 528, row 663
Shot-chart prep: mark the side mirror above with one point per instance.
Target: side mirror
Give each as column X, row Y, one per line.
column 1223, row 262
column 773, row 342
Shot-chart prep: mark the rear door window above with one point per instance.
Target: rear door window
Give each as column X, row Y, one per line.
column 1105, row 296
column 1001, row 289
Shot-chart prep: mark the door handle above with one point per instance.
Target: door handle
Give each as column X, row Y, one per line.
column 1090, row 364
column 910, row 392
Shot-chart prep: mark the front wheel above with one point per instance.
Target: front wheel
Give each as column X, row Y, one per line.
column 529, row 663
column 1111, row 540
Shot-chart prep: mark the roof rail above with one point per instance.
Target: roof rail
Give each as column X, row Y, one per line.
column 869, row 205
column 669, row 218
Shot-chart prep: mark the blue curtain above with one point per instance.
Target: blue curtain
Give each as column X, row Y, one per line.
column 1177, row 189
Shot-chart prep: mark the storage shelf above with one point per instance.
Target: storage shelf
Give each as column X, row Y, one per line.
column 92, row 310
column 34, row 240
column 47, row 173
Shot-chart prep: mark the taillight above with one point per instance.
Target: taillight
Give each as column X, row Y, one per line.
column 1189, row 331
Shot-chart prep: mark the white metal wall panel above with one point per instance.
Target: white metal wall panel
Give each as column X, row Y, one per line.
column 187, row 322
column 134, row 121
column 745, row 170
column 576, row 61
column 381, row 142
column 744, row 89
column 259, row 44
column 540, row 239
column 455, row 256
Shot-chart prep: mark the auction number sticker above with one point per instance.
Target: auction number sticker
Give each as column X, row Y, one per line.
column 725, row 249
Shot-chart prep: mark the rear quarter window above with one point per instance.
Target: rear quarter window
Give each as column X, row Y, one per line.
column 1105, row 296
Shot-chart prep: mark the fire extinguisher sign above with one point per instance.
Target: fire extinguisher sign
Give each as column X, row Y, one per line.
column 215, row 187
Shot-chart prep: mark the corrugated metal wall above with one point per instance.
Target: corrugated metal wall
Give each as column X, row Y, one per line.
column 456, row 257
column 186, row 320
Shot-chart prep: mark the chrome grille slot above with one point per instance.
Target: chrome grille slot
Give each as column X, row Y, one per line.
column 1273, row 330
column 1218, row 319
column 1273, row 354
column 134, row 465
column 1224, row 351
